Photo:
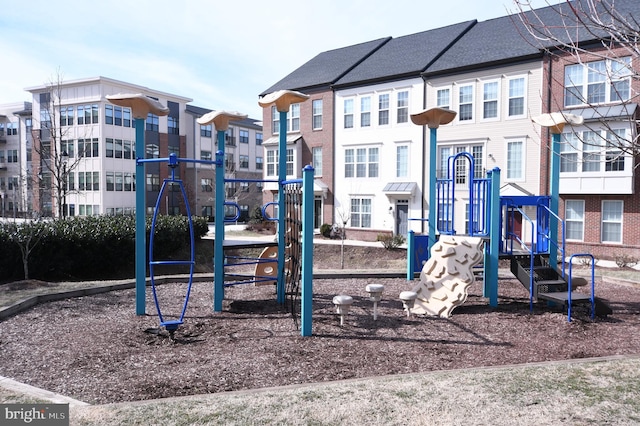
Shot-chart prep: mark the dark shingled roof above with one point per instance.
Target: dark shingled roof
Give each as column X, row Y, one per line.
column 505, row 39
column 327, row 67
column 405, row 56
column 247, row 122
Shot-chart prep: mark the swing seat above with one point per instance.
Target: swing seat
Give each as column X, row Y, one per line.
column 171, row 325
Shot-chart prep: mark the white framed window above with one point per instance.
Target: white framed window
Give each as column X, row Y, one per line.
column 275, row 121
column 383, row 109
column 293, row 117
column 597, row 82
column 461, row 167
column 348, row 113
column 316, row 107
column 490, row 100
column 316, row 153
column 443, row 98
column 569, row 153
column 365, row 111
column 465, row 103
column 402, row 161
column 516, row 103
column 403, row 107
column 593, row 151
column 360, row 213
column 612, row 211
column 614, row 155
column 515, row 160
column 574, row 219
column 361, row 162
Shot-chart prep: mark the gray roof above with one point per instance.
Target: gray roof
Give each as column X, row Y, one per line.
column 327, row 67
column 247, row 122
column 405, row 56
column 506, row 39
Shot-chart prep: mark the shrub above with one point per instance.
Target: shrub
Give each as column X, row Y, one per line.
column 626, row 261
column 391, row 242
column 325, row 230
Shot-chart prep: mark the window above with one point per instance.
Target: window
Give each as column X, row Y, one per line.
column 12, row 156
column 294, row 118
column 516, row 97
column 460, row 168
column 275, row 121
column 126, row 117
column 244, row 136
column 272, row 162
column 316, row 107
column 258, row 138
column 361, row 213
column 490, row 100
column 348, row 113
column 128, row 181
column 466, row 103
column 597, row 82
column 153, row 182
column 229, row 163
column 289, row 162
column 614, row 155
column 119, row 178
column 402, row 161
column 443, row 98
column 244, row 161
column 230, row 139
column 110, row 181
column 117, row 148
column 591, row 147
column 383, row 109
column 574, row 219
column 94, row 114
column 66, row 116
column 117, row 114
column 205, row 130
column 81, row 114
column 593, row 151
column 108, row 114
column 403, row 107
column 515, row 162
column 12, row 128
column 316, row 154
column 206, row 184
column 569, row 153
column 361, row 162
column 127, row 148
column 445, row 153
column 259, row 163
column 244, row 186
column 153, row 123
column 88, row 148
column 153, row 150
column 205, row 155
column 68, row 147
column 612, row 221
column 365, row 111
column 444, row 219
column 173, row 126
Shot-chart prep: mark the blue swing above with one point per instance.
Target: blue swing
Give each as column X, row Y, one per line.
column 171, row 325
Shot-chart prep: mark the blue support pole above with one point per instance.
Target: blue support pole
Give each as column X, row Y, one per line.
column 141, row 228
column 554, row 186
column 491, row 260
column 411, row 254
column 218, row 250
column 432, row 186
column 282, row 176
column 306, row 310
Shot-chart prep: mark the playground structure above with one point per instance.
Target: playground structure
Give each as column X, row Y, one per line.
column 295, row 216
column 491, row 220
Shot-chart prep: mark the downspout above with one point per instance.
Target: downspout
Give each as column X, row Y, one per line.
column 547, row 188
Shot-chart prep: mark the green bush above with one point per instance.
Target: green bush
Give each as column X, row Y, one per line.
column 391, row 242
column 92, row 248
column 325, row 230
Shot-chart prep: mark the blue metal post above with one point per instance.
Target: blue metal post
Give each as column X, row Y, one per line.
column 141, row 227
column 432, row 187
column 282, row 176
column 218, row 253
column 491, row 254
column 306, row 310
column 554, row 186
column 411, row 254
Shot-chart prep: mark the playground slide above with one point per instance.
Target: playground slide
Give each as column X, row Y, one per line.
column 447, row 275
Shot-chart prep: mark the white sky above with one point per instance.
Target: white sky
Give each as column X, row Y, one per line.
column 221, row 54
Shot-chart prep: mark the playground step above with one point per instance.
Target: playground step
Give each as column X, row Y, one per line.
column 563, row 297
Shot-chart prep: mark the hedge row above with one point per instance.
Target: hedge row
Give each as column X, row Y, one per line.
column 87, row 248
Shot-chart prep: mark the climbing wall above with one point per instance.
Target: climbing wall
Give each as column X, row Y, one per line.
column 447, row 275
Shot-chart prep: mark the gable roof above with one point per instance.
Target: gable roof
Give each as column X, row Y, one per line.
column 405, row 56
column 327, row 67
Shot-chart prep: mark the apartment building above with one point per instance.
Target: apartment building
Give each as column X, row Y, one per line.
column 310, row 127
column 15, row 159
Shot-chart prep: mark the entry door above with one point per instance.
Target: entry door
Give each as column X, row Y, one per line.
column 402, row 219
column 317, row 212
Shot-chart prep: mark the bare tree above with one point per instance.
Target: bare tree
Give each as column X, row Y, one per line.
column 602, row 37
column 54, row 145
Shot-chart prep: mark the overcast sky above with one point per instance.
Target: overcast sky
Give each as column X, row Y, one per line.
column 222, row 54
